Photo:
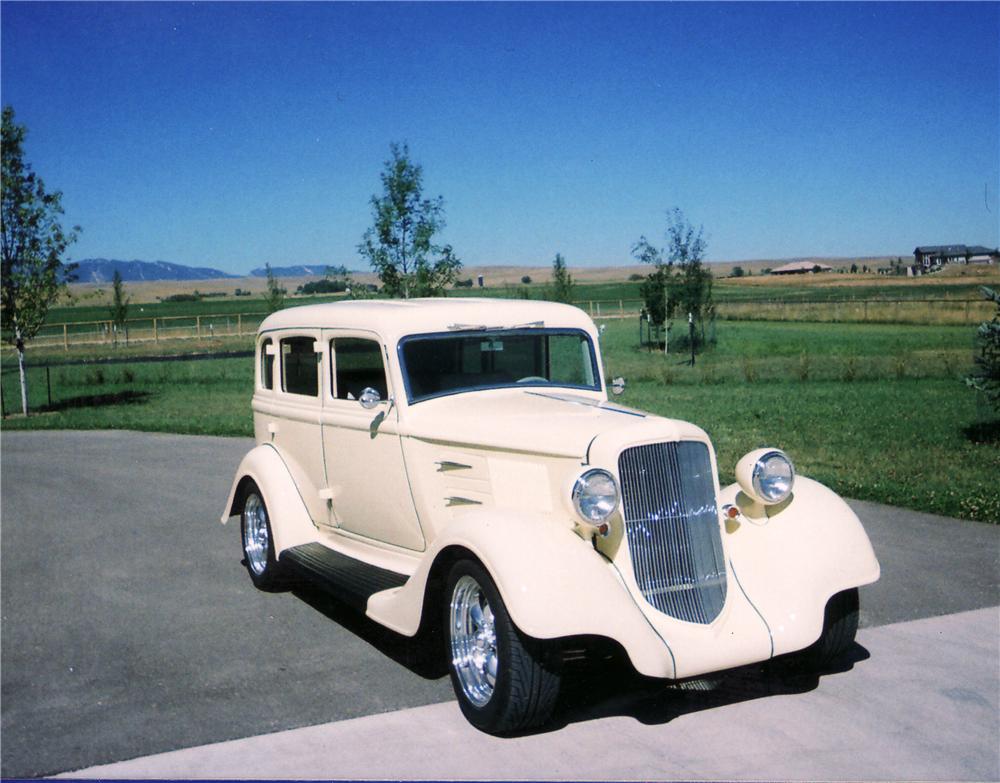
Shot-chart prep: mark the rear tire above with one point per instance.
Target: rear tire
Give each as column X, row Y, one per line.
column 258, row 541
column 501, row 677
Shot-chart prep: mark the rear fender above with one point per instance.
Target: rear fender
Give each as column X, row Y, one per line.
column 553, row 583
column 791, row 558
column 291, row 524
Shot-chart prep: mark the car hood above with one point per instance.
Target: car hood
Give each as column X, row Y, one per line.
column 541, row 421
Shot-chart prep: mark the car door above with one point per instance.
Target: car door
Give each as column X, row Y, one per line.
column 368, row 490
column 291, row 419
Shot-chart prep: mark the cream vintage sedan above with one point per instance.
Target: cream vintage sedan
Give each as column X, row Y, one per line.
column 455, row 465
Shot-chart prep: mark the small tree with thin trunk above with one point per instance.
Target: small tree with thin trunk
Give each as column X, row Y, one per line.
column 119, row 307
column 680, row 282
column 275, row 297
column 562, row 281
column 33, row 275
column 399, row 246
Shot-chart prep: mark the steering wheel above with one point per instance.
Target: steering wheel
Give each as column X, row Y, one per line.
column 532, row 379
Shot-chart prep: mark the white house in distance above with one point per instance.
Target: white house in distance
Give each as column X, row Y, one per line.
column 801, row 268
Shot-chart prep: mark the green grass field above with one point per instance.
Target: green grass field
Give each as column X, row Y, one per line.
column 875, row 411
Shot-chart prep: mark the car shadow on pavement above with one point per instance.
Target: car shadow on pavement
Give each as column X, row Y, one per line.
column 423, row 654
column 620, row 691
column 603, row 687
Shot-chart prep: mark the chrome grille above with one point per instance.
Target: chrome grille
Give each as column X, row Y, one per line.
column 672, row 527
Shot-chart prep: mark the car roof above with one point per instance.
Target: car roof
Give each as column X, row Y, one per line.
column 395, row 318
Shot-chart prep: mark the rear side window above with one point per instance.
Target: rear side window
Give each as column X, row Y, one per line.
column 266, row 364
column 299, row 366
column 357, row 364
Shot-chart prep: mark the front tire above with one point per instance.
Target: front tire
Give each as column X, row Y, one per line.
column 258, row 542
column 840, row 626
column 501, row 677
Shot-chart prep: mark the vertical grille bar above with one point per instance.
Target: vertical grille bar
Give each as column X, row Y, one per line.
column 672, row 527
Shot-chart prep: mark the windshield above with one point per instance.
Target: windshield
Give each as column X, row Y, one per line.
column 438, row 364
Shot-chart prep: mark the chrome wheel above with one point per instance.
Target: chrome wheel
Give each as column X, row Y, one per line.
column 256, row 536
column 473, row 641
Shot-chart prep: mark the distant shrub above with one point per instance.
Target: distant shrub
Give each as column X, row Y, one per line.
column 463, row 283
column 635, row 277
column 526, row 279
column 804, row 366
column 323, row 287
column 737, row 272
column 850, row 369
column 195, row 297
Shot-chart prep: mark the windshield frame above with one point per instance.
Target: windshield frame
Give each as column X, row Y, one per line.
column 490, row 333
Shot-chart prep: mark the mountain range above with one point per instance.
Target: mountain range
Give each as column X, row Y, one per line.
column 102, row 270
column 291, row 271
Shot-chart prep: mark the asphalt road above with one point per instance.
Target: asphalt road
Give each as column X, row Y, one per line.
column 129, row 626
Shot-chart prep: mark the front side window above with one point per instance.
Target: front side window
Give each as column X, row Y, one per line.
column 299, row 366
column 266, row 364
column 357, row 365
column 438, row 364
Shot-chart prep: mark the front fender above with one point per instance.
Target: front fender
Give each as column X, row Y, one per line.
column 553, row 583
column 792, row 558
column 291, row 524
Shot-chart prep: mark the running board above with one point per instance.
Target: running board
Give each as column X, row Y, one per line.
column 352, row 581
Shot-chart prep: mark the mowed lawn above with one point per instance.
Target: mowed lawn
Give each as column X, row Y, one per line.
column 877, row 412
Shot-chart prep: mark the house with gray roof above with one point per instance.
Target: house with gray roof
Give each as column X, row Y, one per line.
column 929, row 257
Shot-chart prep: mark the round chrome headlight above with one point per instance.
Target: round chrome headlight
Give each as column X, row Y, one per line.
column 595, row 496
column 773, row 476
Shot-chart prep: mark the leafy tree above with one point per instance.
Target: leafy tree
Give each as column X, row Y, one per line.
column 854, row 269
column 986, row 377
column 275, row 297
column 738, row 271
column 399, row 246
column 654, row 288
column 680, row 282
column 119, row 307
column 34, row 241
column 562, row 281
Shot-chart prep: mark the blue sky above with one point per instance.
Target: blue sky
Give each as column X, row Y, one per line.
column 230, row 134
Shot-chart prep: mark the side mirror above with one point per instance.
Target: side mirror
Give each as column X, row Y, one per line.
column 369, row 398
column 617, row 385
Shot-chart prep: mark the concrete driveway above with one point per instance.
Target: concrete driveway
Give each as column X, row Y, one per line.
column 130, row 629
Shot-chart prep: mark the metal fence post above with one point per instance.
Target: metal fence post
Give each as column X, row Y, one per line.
column 48, row 384
column 197, row 321
column 65, row 337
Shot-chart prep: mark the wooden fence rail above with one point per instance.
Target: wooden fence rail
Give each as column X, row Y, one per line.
column 905, row 311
